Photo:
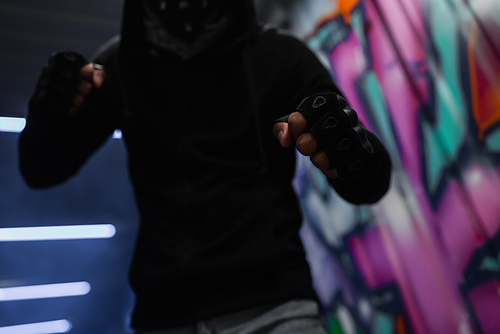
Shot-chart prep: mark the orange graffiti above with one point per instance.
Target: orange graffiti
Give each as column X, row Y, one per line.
column 400, row 325
column 344, row 9
column 485, row 97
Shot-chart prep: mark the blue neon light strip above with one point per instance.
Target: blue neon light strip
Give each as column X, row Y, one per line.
column 47, row 327
column 57, row 232
column 17, row 124
column 44, row 291
column 12, row 124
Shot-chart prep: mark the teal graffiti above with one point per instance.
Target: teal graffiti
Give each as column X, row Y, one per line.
column 371, row 89
column 374, row 95
column 490, row 264
column 444, row 138
column 383, row 324
column 358, row 25
column 493, row 141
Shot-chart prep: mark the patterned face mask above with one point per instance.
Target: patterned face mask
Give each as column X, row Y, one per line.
column 186, row 19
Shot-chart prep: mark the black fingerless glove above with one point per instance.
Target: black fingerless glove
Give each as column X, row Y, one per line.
column 57, row 86
column 338, row 133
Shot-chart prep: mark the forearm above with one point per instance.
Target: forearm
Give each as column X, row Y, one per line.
column 73, row 110
column 364, row 186
column 51, row 151
column 46, row 156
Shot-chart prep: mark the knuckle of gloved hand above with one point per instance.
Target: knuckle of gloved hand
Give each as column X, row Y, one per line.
column 66, row 65
column 356, row 164
column 341, row 101
column 59, row 82
column 324, row 134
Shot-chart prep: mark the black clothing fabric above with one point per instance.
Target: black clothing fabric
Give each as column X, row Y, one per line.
column 219, row 217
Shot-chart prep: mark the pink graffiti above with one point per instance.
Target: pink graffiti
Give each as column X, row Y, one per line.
column 444, row 243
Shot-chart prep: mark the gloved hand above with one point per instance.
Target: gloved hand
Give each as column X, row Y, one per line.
column 327, row 130
column 64, row 83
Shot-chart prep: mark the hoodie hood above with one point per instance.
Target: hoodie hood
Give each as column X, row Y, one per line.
column 185, row 28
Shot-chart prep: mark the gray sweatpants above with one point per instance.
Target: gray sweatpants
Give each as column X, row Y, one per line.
column 294, row 317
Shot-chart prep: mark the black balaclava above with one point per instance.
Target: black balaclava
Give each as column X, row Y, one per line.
column 185, row 26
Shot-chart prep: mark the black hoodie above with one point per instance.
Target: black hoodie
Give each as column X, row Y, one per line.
column 219, row 217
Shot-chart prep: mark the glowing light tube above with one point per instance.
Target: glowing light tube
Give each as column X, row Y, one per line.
column 57, row 232
column 44, row 291
column 17, row 124
column 117, row 134
column 47, row 327
column 12, row 124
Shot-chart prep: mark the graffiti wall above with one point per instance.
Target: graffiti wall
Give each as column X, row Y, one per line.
column 424, row 75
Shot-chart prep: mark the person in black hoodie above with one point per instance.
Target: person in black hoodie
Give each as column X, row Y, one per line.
column 201, row 93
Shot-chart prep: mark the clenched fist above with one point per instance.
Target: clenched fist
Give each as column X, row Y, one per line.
column 327, row 130
column 64, row 83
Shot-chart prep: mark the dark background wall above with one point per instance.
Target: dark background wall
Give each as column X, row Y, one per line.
column 29, row 32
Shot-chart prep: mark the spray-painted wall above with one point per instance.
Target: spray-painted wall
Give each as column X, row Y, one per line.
column 424, row 75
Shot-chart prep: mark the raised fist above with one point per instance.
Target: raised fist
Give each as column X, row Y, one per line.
column 326, row 129
column 64, row 83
